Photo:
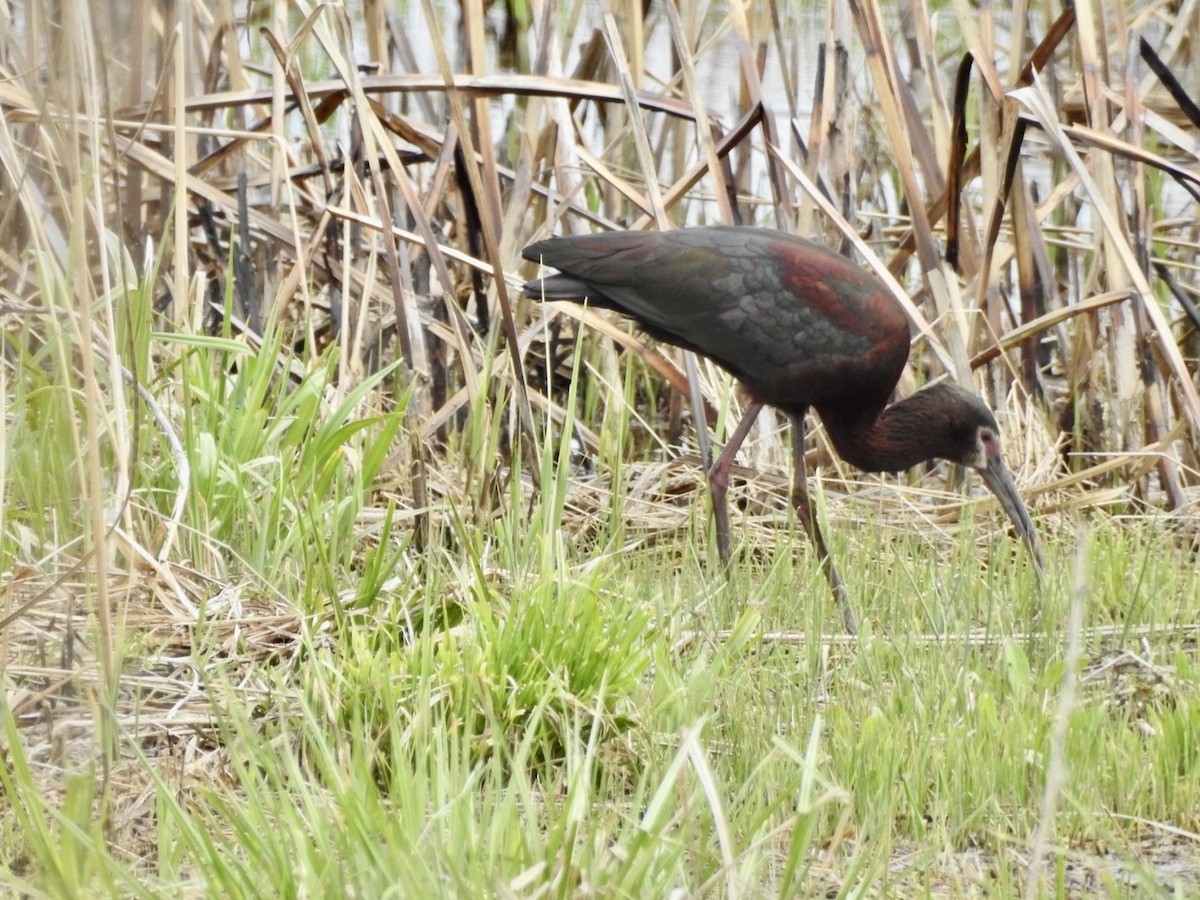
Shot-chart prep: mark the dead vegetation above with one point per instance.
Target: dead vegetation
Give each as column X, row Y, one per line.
column 1029, row 187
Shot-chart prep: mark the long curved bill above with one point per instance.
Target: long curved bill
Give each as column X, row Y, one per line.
column 1000, row 480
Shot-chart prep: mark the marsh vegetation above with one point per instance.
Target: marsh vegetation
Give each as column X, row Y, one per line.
column 331, row 566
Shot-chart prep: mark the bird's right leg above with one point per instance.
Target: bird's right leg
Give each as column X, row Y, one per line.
column 718, row 480
column 807, row 518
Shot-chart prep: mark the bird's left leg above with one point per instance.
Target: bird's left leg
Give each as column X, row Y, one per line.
column 808, row 519
column 718, row 480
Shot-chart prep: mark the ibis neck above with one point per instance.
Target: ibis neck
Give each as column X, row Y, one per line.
column 890, row 439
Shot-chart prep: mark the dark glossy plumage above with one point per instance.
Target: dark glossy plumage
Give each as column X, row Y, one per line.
column 730, row 294
column 799, row 326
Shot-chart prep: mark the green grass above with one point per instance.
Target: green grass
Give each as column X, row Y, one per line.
column 530, row 708
column 558, row 692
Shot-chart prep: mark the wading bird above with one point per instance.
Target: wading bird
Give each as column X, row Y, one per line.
column 799, row 326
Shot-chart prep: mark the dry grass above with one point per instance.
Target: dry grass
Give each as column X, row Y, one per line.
column 222, row 185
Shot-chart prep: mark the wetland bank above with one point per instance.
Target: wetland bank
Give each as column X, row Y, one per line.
column 332, row 566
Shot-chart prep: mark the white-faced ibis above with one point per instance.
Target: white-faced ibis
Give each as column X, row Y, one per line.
column 799, row 326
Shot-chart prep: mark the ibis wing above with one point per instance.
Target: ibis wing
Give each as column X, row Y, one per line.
column 775, row 310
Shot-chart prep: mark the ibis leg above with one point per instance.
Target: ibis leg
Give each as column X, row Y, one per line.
column 718, row 480
column 808, row 519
